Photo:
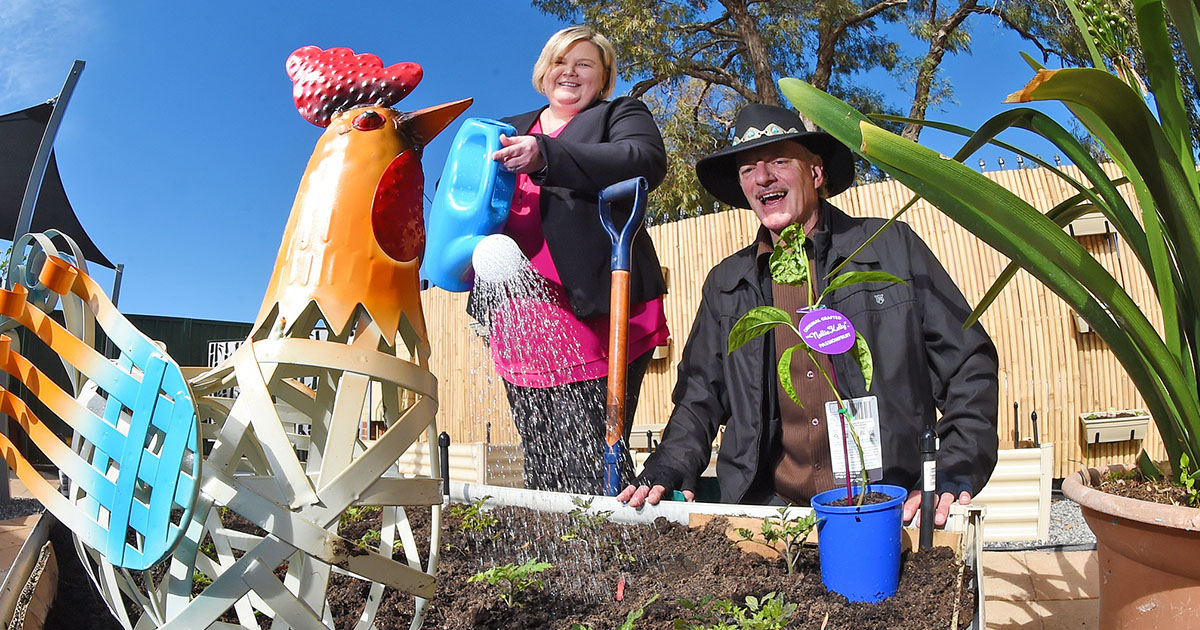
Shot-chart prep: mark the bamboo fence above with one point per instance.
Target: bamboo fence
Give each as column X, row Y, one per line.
column 1046, row 364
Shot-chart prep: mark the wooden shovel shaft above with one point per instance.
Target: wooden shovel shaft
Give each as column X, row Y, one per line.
column 618, row 355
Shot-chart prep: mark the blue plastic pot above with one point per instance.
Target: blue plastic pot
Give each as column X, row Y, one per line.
column 859, row 547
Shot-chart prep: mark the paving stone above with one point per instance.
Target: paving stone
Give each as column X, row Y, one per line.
column 1006, row 576
column 1063, row 575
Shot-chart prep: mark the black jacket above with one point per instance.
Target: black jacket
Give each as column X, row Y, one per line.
column 609, row 142
column 924, row 361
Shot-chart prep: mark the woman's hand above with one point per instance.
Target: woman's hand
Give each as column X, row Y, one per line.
column 520, row 154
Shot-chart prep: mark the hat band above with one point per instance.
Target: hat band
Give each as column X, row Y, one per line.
column 753, row 133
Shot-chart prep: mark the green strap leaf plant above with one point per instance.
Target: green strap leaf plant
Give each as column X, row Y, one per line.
column 513, row 579
column 1155, row 153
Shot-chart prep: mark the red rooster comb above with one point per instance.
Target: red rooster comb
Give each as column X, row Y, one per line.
column 328, row 81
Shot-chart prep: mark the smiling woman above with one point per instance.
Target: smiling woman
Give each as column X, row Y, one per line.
column 568, row 151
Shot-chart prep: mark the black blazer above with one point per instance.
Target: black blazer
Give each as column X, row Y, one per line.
column 609, row 142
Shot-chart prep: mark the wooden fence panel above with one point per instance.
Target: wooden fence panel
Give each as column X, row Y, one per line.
column 1046, row 364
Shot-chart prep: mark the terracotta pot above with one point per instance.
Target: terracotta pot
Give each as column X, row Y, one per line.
column 1147, row 552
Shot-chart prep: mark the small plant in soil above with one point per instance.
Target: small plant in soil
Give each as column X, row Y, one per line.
column 199, row 579
column 356, row 513
column 784, row 533
column 583, row 523
column 370, row 539
column 1187, row 479
column 513, row 580
column 473, row 518
column 789, row 265
column 769, row 613
column 630, row 619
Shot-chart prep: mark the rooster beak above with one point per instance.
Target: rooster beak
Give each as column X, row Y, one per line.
column 425, row 124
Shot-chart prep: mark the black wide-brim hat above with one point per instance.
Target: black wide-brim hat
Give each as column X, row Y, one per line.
column 757, row 125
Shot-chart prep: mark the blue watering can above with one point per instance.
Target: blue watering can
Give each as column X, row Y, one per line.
column 471, row 202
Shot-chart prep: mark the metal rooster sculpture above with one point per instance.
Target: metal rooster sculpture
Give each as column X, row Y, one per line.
column 347, row 267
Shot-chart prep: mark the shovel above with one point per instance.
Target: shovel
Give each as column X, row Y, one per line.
column 618, row 319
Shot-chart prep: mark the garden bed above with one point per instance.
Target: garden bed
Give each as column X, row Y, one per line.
column 669, row 572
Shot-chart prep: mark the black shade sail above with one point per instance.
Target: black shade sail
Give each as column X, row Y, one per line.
column 20, row 135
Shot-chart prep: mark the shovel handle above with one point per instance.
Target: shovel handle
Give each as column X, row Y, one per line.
column 622, row 243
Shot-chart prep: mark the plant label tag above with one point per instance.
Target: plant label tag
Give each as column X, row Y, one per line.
column 865, row 414
column 827, row 331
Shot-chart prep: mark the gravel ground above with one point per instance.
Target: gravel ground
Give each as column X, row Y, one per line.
column 1068, row 530
column 16, row 508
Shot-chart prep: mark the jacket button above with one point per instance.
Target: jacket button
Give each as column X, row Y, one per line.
column 811, row 374
column 815, row 422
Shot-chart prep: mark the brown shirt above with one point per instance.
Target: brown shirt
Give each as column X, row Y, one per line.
column 802, row 462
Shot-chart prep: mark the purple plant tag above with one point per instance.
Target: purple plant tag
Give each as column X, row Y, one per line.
column 827, row 331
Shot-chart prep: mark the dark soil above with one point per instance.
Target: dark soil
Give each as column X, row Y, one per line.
column 690, row 570
column 872, row 498
column 1131, row 484
column 77, row 604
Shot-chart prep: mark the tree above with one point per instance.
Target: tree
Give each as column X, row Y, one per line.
column 1045, row 24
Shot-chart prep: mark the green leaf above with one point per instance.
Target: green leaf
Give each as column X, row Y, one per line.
column 1149, row 469
column 861, row 353
column 789, row 263
column 756, row 322
column 1186, row 16
column 785, row 373
column 1102, row 193
column 857, row 277
column 1163, row 76
column 1065, row 212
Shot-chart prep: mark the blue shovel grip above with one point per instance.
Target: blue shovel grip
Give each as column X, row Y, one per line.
column 613, row 454
column 622, row 243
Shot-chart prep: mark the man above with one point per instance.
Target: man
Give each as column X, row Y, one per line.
column 772, row 450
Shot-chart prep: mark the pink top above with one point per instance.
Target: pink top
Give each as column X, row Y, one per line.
column 533, row 355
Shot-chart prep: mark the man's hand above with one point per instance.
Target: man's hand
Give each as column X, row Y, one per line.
column 520, row 154
column 635, row 496
column 912, row 507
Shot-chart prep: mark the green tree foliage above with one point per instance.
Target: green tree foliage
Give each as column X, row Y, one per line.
column 946, row 28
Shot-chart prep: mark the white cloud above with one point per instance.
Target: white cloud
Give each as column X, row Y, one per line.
column 38, row 41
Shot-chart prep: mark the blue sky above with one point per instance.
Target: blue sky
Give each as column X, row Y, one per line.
column 181, row 149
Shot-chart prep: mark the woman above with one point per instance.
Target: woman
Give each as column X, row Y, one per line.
column 569, row 150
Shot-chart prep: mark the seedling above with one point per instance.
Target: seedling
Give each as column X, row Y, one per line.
column 1188, row 480
column 630, row 619
column 584, row 523
column 200, row 579
column 789, row 265
column 769, row 613
column 473, row 517
column 783, row 531
column 513, row 580
column 371, row 539
column 356, row 513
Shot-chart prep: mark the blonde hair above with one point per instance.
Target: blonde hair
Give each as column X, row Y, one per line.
column 557, row 46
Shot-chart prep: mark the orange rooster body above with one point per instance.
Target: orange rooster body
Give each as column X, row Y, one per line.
column 355, row 235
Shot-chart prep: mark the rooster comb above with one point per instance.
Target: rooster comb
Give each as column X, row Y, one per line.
column 325, row 82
